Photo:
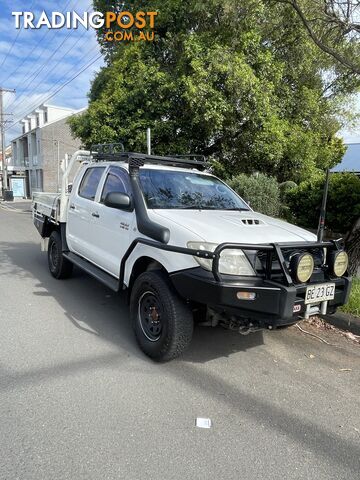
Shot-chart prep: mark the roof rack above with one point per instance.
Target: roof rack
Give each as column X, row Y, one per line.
column 115, row 152
column 103, row 150
column 190, row 156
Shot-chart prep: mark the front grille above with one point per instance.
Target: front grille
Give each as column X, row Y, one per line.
column 258, row 260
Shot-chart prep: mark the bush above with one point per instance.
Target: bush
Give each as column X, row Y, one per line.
column 260, row 191
column 285, row 187
column 343, row 205
column 353, row 305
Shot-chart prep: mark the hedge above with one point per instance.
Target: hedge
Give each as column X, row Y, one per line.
column 260, row 191
column 343, row 206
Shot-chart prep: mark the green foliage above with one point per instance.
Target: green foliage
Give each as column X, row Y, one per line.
column 237, row 80
column 285, row 187
column 343, row 206
column 261, row 191
column 353, row 305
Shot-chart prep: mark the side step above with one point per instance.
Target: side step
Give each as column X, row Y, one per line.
column 94, row 271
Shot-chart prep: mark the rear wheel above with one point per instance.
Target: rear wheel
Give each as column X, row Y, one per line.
column 162, row 321
column 59, row 266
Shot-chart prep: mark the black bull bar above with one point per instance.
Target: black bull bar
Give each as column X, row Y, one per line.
column 274, row 251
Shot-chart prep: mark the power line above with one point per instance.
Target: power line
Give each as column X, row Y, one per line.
column 25, row 93
column 61, row 87
column 62, row 78
column 13, row 43
column 39, row 70
column 34, row 48
column 3, row 122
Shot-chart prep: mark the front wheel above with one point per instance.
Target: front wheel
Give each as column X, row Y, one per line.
column 162, row 321
column 59, row 266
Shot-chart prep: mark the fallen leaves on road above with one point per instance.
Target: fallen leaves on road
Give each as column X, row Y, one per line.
column 320, row 324
column 316, row 336
column 351, row 336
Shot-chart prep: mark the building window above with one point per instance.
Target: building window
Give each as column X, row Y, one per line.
column 37, row 121
column 45, row 116
column 23, row 129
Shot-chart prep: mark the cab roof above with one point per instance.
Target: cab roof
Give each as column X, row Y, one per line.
column 125, row 166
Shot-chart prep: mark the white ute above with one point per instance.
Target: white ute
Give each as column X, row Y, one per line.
column 185, row 246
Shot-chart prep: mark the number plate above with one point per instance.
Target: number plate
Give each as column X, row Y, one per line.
column 320, row 293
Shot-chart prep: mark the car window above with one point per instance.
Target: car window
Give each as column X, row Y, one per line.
column 187, row 190
column 90, row 182
column 117, row 180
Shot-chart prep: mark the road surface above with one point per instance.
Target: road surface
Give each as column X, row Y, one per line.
column 78, row 399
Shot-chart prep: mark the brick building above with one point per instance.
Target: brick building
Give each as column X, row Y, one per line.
column 45, row 140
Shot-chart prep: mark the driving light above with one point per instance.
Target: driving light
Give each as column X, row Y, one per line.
column 232, row 261
column 340, row 263
column 302, row 266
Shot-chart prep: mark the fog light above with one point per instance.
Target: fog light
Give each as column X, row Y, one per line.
column 302, row 267
column 246, row 295
column 340, row 262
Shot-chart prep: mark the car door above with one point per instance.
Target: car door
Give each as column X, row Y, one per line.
column 81, row 210
column 112, row 227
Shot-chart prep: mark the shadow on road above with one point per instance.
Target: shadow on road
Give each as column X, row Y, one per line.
column 93, row 308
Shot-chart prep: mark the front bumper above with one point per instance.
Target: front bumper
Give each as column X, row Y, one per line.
column 275, row 304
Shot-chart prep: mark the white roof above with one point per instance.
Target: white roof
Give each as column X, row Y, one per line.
column 150, row 166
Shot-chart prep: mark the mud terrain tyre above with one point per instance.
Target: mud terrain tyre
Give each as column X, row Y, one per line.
column 162, row 321
column 59, row 266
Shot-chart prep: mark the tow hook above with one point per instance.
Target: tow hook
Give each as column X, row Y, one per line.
column 247, row 329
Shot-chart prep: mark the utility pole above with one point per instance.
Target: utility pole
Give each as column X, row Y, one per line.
column 148, row 140
column 3, row 123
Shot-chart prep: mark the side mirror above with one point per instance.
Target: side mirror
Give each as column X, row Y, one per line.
column 118, row 200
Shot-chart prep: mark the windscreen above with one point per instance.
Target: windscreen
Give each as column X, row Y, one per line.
column 166, row 189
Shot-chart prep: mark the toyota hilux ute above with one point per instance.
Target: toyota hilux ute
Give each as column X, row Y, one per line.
column 185, row 246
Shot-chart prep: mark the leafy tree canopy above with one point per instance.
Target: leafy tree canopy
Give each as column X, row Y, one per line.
column 343, row 205
column 238, row 80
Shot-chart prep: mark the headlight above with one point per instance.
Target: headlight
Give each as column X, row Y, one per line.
column 302, row 267
column 339, row 263
column 232, row 261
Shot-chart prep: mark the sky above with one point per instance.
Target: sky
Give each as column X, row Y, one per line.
column 41, row 61
column 38, row 62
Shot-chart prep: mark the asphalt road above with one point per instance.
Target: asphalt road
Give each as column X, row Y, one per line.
column 78, row 399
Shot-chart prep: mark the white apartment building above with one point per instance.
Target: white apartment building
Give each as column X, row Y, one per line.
column 37, row 152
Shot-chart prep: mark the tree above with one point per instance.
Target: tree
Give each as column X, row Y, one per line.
column 238, row 80
column 343, row 209
column 329, row 22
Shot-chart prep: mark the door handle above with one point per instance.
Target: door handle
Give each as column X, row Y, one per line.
column 72, row 206
column 95, row 214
